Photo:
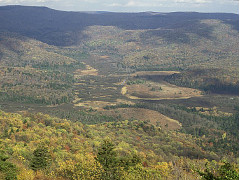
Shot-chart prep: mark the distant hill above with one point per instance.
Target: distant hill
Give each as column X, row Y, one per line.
column 64, row 28
column 19, row 51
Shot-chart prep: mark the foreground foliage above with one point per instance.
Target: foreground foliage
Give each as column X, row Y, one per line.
column 225, row 171
column 40, row 146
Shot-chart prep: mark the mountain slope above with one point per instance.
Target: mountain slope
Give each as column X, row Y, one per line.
column 32, row 71
column 64, row 28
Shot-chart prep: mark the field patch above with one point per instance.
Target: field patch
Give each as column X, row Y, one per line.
column 88, row 71
column 99, row 105
column 141, row 114
column 96, row 105
column 152, row 73
column 104, row 57
column 124, row 90
column 158, row 91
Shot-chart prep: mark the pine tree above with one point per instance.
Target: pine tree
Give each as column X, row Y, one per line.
column 41, row 158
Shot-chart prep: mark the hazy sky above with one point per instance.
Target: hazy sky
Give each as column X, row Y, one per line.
column 133, row 5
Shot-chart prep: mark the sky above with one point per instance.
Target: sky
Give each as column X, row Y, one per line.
column 230, row 6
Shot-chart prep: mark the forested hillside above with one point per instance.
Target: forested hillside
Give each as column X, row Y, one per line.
column 64, row 28
column 60, row 149
column 101, row 95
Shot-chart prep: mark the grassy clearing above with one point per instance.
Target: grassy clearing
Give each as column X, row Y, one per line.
column 150, row 73
column 158, row 91
column 99, row 105
column 96, row 105
column 88, row 71
column 124, row 90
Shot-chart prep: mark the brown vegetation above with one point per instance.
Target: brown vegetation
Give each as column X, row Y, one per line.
column 141, row 114
column 158, row 91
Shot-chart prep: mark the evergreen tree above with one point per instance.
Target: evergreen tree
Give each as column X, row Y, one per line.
column 41, row 158
column 106, row 154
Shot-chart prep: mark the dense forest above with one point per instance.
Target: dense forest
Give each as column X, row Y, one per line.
column 42, row 147
column 106, row 95
column 209, row 80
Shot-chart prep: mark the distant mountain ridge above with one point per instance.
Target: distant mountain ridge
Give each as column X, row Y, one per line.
column 61, row 28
